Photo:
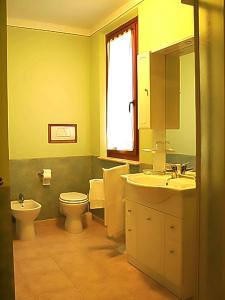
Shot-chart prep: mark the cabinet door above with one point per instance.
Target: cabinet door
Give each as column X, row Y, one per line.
column 131, row 228
column 150, row 236
column 173, row 228
column 144, row 90
column 173, row 262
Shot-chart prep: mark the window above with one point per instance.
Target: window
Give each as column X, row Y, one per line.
column 122, row 132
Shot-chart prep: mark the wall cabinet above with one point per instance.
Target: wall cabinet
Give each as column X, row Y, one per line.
column 144, row 90
column 155, row 244
column 151, row 90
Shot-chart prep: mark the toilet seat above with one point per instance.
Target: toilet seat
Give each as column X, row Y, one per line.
column 73, row 198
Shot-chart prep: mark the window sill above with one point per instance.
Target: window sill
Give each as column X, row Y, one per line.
column 130, row 162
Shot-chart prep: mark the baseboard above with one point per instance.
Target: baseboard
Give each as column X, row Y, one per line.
column 97, row 219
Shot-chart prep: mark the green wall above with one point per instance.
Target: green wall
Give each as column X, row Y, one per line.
column 183, row 140
column 48, row 82
column 160, row 23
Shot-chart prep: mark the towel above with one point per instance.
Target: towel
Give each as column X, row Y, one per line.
column 114, row 200
column 96, row 193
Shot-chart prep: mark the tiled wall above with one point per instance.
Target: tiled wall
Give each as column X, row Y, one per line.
column 97, row 165
column 181, row 159
column 68, row 174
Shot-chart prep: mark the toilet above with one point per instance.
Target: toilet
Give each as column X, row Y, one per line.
column 72, row 206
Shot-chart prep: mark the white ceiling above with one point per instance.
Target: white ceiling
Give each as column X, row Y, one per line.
column 75, row 16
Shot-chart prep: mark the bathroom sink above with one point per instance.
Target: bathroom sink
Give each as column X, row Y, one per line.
column 25, row 213
column 160, row 192
column 145, row 180
column 181, row 183
column 160, row 181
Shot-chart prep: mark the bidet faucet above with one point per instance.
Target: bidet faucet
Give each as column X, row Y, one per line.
column 21, row 198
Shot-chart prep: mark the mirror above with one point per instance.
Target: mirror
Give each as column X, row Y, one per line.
column 173, row 104
column 180, row 107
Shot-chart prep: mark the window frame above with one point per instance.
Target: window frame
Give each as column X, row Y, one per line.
column 133, row 25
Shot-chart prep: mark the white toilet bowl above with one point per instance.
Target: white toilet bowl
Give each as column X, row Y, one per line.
column 72, row 206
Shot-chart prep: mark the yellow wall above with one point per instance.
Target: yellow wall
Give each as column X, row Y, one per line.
column 4, row 155
column 60, row 78
column 48, row 82
column 161, row 23
column 97, row 81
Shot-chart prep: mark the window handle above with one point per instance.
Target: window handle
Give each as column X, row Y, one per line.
column 131, row 103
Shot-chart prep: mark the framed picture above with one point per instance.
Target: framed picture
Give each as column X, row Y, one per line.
column 62, row 133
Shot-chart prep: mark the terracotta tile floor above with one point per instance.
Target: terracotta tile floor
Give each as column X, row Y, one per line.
column 61, row 266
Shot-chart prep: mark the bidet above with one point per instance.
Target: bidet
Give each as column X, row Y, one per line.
column 25, row 213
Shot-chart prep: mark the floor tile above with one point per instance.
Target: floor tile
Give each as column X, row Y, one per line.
column 38, row 266
column 49, row 282
column 22, row 290
column 29, row 253
column 69, row 294
column 87, row 266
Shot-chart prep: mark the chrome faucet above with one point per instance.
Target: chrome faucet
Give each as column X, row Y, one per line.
column 21, row 198
column 174, row 170
column 184, row 167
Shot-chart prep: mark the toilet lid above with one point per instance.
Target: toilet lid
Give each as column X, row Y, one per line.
column 73, row 197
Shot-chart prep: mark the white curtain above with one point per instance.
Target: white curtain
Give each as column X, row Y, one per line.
column 120, row 133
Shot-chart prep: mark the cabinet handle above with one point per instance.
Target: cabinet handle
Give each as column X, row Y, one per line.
column 149, row 219
column 172, row 251
column 172, row 227
column 129, row 230
column 129, row 210
column 146, row 91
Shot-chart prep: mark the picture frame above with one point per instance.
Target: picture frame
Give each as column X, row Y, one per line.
column 62, row 133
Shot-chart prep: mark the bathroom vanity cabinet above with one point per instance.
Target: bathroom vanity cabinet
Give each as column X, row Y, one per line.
column 161, row 242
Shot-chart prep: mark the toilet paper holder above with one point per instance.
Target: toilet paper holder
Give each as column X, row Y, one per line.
column 46, row 175
column 41, row 173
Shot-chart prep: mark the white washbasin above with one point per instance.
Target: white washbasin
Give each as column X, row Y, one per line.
column 160, row 181
column 142, row 179
column 160, row 192
column 181, row 183
column 25, row 213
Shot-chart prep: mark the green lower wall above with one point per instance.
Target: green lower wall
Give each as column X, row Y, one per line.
column 175, row 158
column 97, row 165
column 69, row 174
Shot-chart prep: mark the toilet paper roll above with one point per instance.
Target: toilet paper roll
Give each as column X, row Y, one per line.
column 47, row 175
